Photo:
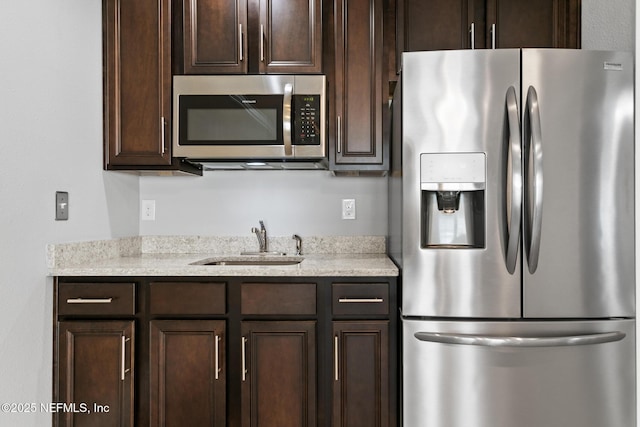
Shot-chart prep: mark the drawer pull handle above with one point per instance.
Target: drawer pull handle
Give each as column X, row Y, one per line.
column 217, row 357
column 244, row 359
column 360, row 300
column 336, row 357
column 89, row 300
column 123, row 367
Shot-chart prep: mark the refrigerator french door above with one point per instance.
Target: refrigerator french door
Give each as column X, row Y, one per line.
column 516, row 238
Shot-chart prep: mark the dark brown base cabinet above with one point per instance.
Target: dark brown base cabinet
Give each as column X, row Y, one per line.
column 361, row 377
column 187, row 376
column 279, row 373
column 228, row 352
column 95, row 373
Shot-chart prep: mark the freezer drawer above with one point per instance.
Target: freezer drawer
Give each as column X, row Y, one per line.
column 525, row 374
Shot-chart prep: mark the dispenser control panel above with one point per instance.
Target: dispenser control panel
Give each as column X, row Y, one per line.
column 457, row 171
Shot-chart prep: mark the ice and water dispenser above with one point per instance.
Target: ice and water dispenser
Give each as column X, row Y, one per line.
column 452, row 200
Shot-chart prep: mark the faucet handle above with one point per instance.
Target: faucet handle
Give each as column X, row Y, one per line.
column 298, row 240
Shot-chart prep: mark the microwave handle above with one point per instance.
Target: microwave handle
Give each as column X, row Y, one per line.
column 286, row 119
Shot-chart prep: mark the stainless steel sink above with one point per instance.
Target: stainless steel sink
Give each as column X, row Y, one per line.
column 251, row 260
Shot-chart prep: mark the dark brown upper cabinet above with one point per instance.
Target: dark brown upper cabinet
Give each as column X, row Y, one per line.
column 137, row 85
column 532, row 23
column 252, row 36
column 357, row 95
column 468, row 24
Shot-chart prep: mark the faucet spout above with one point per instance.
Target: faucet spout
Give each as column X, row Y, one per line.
column 298, row 240
column 261, row 234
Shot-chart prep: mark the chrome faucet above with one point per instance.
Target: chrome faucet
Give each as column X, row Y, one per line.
column 261, row 234
column 298, row 240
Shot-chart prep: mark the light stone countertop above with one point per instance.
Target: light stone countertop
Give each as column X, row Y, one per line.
column 174, row 255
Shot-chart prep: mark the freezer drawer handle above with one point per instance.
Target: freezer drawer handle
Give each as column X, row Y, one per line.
column 498, row 341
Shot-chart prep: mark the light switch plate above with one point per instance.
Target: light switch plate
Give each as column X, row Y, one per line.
column 62, row 205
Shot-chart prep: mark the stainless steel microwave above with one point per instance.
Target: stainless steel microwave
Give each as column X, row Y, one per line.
column 249, row 117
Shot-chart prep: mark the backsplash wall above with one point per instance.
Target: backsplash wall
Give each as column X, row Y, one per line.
column 229, row 203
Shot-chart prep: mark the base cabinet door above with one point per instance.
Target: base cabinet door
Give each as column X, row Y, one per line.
column 361, row 374
column 95, row 373
column 278, row 374
column 187, row 374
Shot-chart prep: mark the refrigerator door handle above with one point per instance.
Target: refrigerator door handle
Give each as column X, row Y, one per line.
column 500, row 341
column 533, row 158
column 514, row 181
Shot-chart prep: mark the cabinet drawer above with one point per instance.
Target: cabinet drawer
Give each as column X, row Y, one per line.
column 278, row 298
column 187, row 298
column 360, row 298
column 96, row 299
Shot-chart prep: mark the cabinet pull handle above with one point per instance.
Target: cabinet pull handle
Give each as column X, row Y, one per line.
column 123, row 370
column 244, row 359
column 339, row 132
column 217, row 357
column 360, row 300
column 472, row 31
column 89, row 300
column 162, row 132
column 261, row 43
column 493, row 36
column 335, row 358
column 241, row 42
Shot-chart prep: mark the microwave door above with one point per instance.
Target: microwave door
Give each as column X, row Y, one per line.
column 230, row 120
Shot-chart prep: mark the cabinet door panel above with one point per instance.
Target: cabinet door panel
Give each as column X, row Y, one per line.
column 95, row 365
column 361, row 374
column 291, row 36
column 358, row 77
column 214, row 40
column 279, row 387
column 188, row 379
column 531, row 23
column 437, row 24
column 137, row 55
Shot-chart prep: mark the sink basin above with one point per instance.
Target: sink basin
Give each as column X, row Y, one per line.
column 254, row 260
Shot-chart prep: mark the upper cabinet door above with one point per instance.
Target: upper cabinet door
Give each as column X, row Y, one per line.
column 252, row 36
column 290, row 36
column 435, row 24
column 533, row 23
column 477, row 24
column 214, row 38
column 137, row 83
column 358, row 93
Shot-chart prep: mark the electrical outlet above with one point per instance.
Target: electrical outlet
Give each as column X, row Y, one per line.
column 62, row 206
column 348, row 208
column 148, row 210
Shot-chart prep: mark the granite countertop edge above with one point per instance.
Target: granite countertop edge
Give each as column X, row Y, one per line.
column 359, row 256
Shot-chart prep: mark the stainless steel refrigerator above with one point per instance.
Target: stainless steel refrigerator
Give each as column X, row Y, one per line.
column 512, row 219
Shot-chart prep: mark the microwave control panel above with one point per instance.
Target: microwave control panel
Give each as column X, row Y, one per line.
column 306, row 120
